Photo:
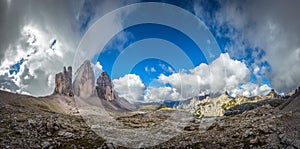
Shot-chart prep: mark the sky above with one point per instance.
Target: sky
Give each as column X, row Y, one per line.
column 192, row 48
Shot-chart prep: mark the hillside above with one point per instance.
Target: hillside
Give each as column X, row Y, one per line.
column 53, row 122
column 46, row 122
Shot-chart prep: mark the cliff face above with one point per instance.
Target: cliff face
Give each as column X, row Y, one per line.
column 273, row 94
column 63, row 82
column 226, row 105
column 105, row 87
column 84, row 82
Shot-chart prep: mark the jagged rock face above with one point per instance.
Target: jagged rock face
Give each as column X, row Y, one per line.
column 272, row 94
column 63, row 82
column 226, row 105
column 105, row 87
column 84, row 82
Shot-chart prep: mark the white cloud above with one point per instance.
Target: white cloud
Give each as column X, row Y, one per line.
column 40, row 64
column 130, row 87
column 222, row 74
column 121, row 40
column 251, row 89
column 152, row 69
column 159, row 94
column 166, row 68
column 170, row 69
column 270, row 25
column 146, row 69
column 28, row 33
column 98, row 69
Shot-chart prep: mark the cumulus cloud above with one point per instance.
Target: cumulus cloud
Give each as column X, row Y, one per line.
column 251, row 89
column 159, row 94
column 98, row 69
column 130, row 87
column 36, row 61
column 45, row 35
column 222, row 74
column 133, row 89
column 271, row 26
column 29, row 34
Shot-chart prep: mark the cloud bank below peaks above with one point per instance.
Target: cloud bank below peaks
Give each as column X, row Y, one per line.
column 223, row 74
column 130, row 87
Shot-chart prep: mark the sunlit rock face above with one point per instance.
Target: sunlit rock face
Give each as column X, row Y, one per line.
column 272, row 94
column 105, row 87
column 227, row 105
column 84, row 82
column 63, row 82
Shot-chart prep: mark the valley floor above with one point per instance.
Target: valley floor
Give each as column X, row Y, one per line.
column 28, row 122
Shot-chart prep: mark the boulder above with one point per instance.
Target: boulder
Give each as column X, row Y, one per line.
column 84, row 82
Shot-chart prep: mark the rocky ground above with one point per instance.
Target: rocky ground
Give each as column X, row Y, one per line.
column 51, row 122
column 264, row 127
column 22, row 126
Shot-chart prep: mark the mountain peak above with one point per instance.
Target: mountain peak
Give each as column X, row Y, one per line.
column 105, row 87
column 272, row 94
column 84, row 82
column 63, row 82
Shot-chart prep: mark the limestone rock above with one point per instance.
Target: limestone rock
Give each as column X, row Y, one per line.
column 292, row 104
column 63, row 82
column 225, row 105
column 272, row 94
column 84, row 82
column 105, row 87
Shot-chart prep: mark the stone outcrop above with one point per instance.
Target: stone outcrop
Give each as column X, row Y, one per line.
column 295, row 92
column 84, row 82
column 63, row 82
column 273, row 94
column 239, row 109
column 226, row 105
column 293, row 103
column 263, row 127
column 105, row 87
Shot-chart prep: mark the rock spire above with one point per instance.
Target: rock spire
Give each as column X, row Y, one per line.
column 63, row 82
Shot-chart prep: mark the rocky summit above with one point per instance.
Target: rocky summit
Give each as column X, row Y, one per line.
column 84, row 82
column 207, row 106
column 63, row 82
column 105, row 87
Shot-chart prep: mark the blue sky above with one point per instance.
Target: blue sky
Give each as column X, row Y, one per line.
column 144, row 31
column 262, row 36
column 125, row 54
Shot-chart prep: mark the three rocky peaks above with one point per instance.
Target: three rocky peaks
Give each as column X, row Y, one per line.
column 84, row 83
